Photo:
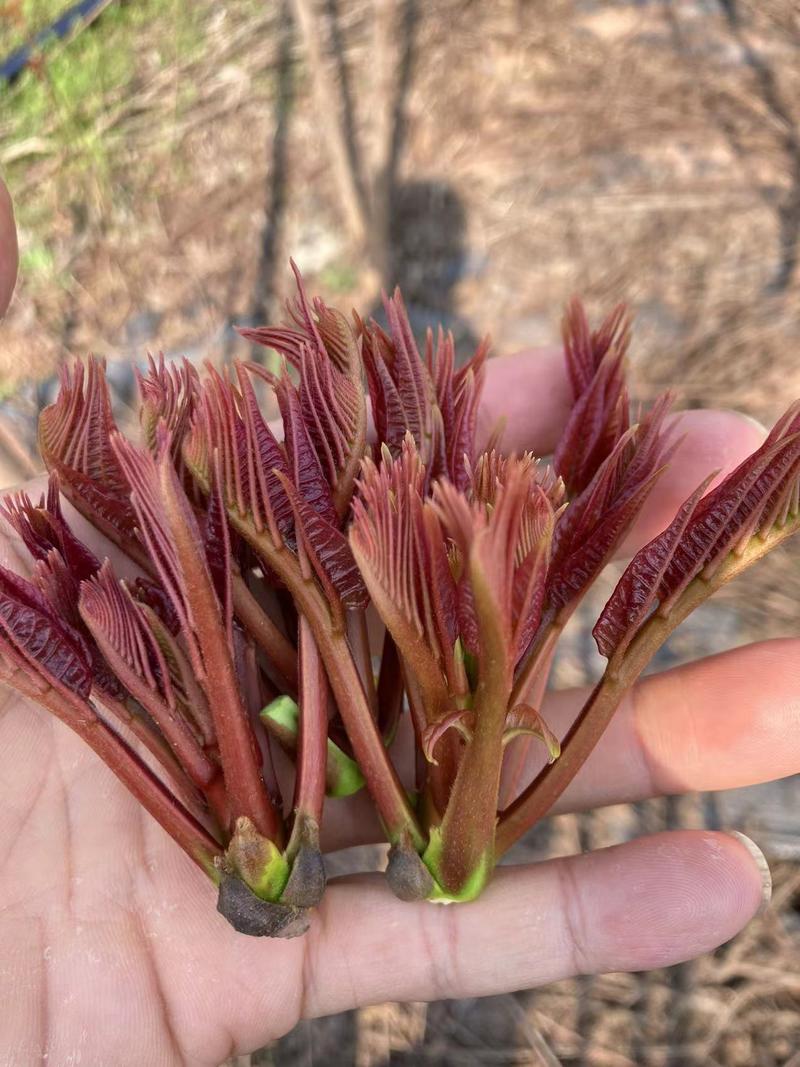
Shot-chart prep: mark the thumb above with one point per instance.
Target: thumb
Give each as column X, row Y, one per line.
column 645, row 904
column 8, row 249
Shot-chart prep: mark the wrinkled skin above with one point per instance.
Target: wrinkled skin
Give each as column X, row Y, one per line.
column 111, row 951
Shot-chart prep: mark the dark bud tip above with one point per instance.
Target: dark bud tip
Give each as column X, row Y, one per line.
column 249, row 914
column 306, row 882
column 408, row 877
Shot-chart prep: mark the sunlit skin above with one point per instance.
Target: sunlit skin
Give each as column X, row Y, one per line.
column 8, row 249
column 110, row 945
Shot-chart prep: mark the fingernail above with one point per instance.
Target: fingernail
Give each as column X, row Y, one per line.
column 763, row 867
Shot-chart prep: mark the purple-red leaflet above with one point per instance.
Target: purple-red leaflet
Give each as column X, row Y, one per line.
column 168, row 394
column 637, row 589
column 307, row 474
column 75, row 440
column 329, row 552
column 599, row 416
column 111, row 611
column 584, row 349
column 719, row 519
column 43, row 527
column 53, row 648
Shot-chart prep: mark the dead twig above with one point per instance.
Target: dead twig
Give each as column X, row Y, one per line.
column 328, row 120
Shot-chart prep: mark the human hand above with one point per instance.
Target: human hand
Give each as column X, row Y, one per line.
column 110, row 947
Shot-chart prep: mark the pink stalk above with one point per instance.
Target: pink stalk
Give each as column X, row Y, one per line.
column 238, row 750
column 280, row 652
column 309, row 792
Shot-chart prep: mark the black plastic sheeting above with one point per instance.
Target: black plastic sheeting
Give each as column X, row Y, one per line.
column 69, row 22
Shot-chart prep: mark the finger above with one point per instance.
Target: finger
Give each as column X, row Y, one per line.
column 8, row 249
column 530, row 391
column 646, row 904
column 719, row 723
column 722, row 722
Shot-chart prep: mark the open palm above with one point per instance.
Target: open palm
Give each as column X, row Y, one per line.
column 111, row 951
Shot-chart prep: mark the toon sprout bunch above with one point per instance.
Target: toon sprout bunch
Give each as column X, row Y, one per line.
column 234, row 637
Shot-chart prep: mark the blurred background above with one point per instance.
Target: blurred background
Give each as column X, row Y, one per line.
column 166, row 157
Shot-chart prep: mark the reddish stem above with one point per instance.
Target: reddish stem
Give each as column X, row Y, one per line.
column 380, row 775
column 416, row 707
column 281, row 655
column 358, row 636
column 468, row 826
column 534, row 803
column 312, row 751
column 532, row 692
column 155, row 745
column 595, row 715
column 239, row 754
column 390, row 689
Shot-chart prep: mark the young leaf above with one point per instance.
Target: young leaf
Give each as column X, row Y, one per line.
column 637, row 589
column 460, row 719
column 323, row 347
column 703, row 532
column 43, row 528
column 329, row 552
column 530, row 582
column 121, row 630
column 599, row 416
column 731, row 513
column 523, row 720
column 154, row 597
column 168, row 394
column 333, row 410
column 50, row 647
column 387, row 538
column 427, row 399
column 576, row 573
column 75, row 441
column 53, row 578
column 186, row 687
column 401, row 389
column 318, row 327
column 596, row 522
column 584, row 349
column 230, row 423
column 525, row 569
column 598, row 420
column 143, row 472
column 307, row 474
column 458, row 394
column 169, row 530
